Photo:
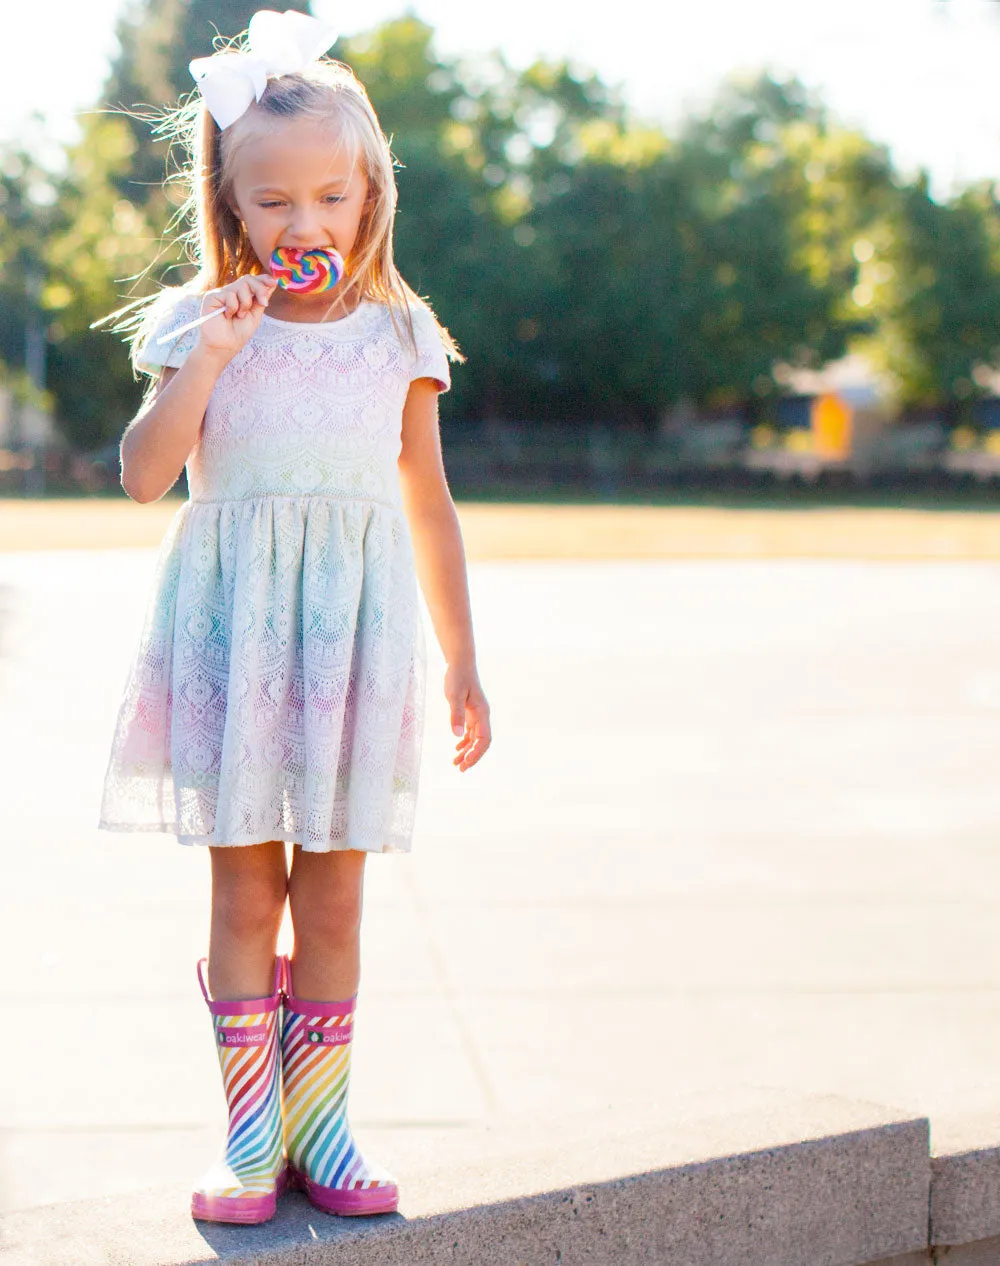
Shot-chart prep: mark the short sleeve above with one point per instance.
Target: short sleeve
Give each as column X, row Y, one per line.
column 173, row 311
column 432, row 359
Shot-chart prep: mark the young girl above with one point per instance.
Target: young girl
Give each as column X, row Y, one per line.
column 277, row 691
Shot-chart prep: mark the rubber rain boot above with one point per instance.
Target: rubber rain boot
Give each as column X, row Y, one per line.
column 244, row 1184
column 323, row 1159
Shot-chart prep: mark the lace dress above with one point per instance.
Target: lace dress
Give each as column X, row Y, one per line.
column 277, row 689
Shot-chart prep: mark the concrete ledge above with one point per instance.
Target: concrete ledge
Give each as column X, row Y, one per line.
column 982, row 1253
column 965, row 1189
column 759, row 1178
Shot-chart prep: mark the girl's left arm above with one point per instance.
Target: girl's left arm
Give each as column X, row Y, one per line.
column 440, row 561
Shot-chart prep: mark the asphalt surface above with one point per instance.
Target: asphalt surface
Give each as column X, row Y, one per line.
column 739, row 827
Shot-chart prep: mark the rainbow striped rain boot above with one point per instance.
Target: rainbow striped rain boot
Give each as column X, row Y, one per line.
column 324, row 1161
column 244, row 1184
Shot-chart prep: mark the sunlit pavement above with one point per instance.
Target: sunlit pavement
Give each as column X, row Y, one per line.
column 740, row 824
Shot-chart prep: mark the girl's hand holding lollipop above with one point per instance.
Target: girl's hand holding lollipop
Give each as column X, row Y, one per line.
column 244, row 300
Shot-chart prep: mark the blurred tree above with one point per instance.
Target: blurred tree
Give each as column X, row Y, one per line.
column 782, row 192
column 100, row 240
column 935, row 284
column 690, row 268
column 590, row 266
column 27, row 215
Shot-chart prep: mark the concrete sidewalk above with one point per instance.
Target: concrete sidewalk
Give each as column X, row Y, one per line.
column 738, row 829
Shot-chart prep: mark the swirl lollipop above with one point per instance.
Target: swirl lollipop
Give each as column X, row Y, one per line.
column 307, row 272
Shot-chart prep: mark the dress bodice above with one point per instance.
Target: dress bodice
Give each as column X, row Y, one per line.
column 308, row 407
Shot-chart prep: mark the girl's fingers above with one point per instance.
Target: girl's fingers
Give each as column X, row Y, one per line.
column 244, row 298
column 469, row 758
column 263, row 286
column 471, row 746
column 476, row 730
column 256, row 292
column 240, row 297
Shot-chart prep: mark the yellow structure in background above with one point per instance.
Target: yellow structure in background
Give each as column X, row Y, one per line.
column 832, row 426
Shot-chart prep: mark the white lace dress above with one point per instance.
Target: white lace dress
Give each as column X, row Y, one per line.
column 277, row 689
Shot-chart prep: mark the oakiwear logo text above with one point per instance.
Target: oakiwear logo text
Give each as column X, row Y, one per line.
column 250, row 1035
column 336, row 1035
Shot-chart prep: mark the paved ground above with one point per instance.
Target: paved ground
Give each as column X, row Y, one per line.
column 506, row 530
column 740, row 826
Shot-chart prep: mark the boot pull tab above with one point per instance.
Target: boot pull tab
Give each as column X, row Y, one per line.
column 201, row 980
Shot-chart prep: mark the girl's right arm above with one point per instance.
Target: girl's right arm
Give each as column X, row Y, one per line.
column 158, row 441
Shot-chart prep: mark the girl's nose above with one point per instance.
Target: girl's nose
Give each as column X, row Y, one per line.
column 303, row 226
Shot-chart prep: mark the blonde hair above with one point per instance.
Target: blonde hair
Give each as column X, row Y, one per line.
column 329, row 92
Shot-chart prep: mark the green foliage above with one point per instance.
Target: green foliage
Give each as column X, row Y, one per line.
column 27, row 219
column 590, row 266
column 99, row 240
column 937, row 285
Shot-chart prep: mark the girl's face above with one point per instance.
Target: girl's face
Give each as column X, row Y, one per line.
column 297, row 186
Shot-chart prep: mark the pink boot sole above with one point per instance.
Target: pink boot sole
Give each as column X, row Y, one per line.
column 349, row 1202
column 242, row 1209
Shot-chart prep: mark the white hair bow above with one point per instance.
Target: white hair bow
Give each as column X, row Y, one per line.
column 279, row 44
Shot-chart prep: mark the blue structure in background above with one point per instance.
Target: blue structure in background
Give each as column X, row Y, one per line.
column 987, row 413
column 795, row 412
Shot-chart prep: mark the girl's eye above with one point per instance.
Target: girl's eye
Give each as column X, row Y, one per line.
column 330, row 197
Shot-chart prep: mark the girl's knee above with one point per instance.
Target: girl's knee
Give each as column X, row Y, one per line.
column 248, row 910
column 329, row 912
column 249, row 897
column 331, row 915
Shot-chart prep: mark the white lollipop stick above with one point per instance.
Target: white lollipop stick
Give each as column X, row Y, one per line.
column 165, row 338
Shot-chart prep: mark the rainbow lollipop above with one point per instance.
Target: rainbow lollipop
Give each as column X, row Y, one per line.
column 307, row 272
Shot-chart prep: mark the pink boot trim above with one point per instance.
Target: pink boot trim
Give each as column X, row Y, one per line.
column 242, row 1209
column 347, row 1201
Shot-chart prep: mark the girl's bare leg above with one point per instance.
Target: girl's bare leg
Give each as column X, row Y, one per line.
column 325, row 894
column 249, row 888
